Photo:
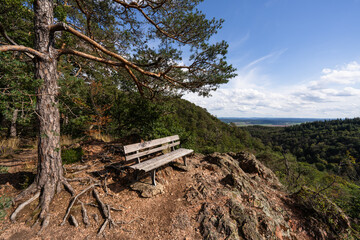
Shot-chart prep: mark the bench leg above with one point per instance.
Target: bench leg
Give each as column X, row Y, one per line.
column 184, row 158
column 153, row 177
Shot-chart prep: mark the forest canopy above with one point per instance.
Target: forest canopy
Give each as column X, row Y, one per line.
column 332, row 145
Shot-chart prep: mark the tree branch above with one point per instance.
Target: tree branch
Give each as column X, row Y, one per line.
column 89, row 56
column 6, row 48
column 159, row 4
column 150, row 64
column 140, row 9
column 138, row 85
column 3, row 32
column 65, row 27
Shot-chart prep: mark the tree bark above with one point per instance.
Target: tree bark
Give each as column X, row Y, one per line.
column 13, row 124
column 49, row 170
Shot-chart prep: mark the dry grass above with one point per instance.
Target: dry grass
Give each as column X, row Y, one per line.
column 66, row 140
column 102, row 137
column 29, row 143
column 12, row 143
column 7, row 146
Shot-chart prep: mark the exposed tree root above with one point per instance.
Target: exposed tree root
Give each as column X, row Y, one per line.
column 85, row 215
column 23, row 205
column 116, row 209
column 74, row 221
column 103, row 226
column 46, row 193
column 74, row 200
column 77, row 168
column 45, row 223
column 96, row 217
column 106, row 188
column 87, row 179
column 28, row 191
column 106, row 211
column 111, row 208
column 68, row 187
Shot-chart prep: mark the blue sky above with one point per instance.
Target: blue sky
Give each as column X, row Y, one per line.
column 294, row 58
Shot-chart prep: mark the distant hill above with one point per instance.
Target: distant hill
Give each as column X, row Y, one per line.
column 268, row 121
column 333, row 145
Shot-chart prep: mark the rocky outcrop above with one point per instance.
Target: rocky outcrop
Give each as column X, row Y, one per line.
column 252, row 204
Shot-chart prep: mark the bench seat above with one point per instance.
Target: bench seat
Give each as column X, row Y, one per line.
column 159, row 161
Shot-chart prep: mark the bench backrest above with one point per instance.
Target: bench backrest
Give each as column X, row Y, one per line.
column 138, row 150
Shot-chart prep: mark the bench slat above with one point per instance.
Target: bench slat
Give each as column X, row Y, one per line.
column 154, row 163
column 159, row 158
column 166, row 159
column 141, row 154
column 138, row 146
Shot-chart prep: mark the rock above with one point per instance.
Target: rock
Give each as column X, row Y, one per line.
column 249, row 164
column 180, row 166
column 225, row 162
column 148, row 190
column 214, row 225
column 246, row 222
column 256, row 206
column 200, row 191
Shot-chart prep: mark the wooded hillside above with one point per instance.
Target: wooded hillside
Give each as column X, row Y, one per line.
column 330, row 145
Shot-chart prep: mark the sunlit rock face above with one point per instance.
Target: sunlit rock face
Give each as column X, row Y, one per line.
column 243, row 199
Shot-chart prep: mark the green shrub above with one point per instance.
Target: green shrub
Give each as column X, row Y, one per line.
column 71, row 155
column 320, row 166
column 323, row 209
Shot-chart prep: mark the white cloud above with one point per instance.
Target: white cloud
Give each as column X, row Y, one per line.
column 349, row 74
column 251, row 95
column 266, row 57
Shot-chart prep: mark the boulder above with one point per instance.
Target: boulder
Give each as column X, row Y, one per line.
column 147, row 190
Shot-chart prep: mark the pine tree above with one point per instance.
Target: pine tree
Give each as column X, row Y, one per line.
column 141, row 40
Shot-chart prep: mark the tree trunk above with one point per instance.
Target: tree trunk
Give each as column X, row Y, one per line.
column 13, row 124
column 49, row 171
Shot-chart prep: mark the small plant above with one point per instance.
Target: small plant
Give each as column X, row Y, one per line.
column 3, row 169
column 5, row 203
column 72, row 155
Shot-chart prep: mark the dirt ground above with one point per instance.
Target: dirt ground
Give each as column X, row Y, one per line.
column 165, row 216
column 196, row 202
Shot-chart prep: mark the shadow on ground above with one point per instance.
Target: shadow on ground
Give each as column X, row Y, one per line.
column 19, row 180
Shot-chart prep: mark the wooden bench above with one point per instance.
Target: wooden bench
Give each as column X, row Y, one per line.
column 142, row 151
